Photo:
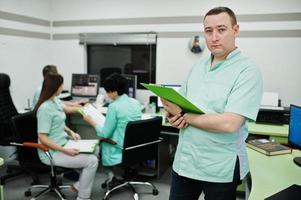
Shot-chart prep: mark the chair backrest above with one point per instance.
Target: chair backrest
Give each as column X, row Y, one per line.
column 105, row 72
column 141, row 132
column 25, row 129
column 7, row 110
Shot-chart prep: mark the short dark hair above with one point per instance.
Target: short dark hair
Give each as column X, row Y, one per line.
column 49, row 69
column 115, row 82
column 218, row 10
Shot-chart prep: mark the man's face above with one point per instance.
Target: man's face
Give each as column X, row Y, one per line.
column 112, row 95
column 220, row 34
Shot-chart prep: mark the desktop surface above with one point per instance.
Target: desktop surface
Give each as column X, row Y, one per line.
column 271, row 174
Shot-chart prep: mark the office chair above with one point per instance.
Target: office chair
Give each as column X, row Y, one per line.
column 7, row 111
column 25, row 127
column 105, row 72
column 141, row 143
column 244, row 188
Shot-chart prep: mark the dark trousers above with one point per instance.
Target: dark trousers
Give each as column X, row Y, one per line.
column 183, row 188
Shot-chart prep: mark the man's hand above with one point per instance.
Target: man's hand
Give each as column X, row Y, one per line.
column 171, row 107
column 176, row 121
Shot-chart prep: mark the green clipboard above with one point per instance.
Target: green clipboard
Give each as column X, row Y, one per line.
column 173, row 96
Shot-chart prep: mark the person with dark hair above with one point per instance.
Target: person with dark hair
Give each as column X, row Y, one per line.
column 53, row 133
column 69, row 107
column 211, row 155
column 120, row 111
column 48, row 69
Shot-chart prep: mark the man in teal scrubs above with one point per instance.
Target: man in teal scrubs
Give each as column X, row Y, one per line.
column 120, row 111
column 211, row 155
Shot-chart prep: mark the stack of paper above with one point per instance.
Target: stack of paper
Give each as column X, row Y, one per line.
column 96, row 115
column 84, row 146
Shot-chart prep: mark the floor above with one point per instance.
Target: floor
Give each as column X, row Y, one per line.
column 14, row 188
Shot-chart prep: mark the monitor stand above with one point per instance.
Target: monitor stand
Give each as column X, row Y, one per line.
column 297, row 161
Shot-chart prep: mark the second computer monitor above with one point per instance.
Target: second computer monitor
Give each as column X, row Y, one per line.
column 131, row 84
column 294, row 137
column 85, row 85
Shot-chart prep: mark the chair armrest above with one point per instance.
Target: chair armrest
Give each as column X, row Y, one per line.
column 108, row 140
column 32, row 145
column 144, row 144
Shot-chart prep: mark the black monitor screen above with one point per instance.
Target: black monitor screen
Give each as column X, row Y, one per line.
column 135, row 59
column 294, row 137
column 85, row 85
column 131, row 84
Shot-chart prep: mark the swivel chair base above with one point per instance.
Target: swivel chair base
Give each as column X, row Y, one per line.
column 130, row 185
column 53, row 187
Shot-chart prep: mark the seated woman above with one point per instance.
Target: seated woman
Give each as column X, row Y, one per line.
column 120, row 111
column 53, row 132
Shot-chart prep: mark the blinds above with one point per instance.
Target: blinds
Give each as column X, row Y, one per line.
column 118, row 38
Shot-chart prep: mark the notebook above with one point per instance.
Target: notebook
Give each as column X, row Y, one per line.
column 95, row 113
column 84, row 146
column 268, row 147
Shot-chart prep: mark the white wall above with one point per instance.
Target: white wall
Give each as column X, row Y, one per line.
column 89, row 9
column 20, row 57
column 277, row 57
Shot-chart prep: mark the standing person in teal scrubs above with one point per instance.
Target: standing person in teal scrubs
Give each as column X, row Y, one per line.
column 121, row 110
column 211, row 155
column 53, row 133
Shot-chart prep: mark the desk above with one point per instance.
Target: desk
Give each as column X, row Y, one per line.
column 277, row 132
column 271, row 174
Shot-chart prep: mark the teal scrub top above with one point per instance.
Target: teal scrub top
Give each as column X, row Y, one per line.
column 121, row 111
column 51, row 120
column 233, row 85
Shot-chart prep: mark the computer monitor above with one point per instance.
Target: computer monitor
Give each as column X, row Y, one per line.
column 175, row 87
column 85, row 85
column 294, row 137
column 131, row 84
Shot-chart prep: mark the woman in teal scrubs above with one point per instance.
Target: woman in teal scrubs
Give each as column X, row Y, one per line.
column 53, row 133
column 120, row 111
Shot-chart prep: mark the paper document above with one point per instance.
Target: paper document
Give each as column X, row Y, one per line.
column 84, row 146
column 271, row 108
column 173, row 96
column 270, row 99
column 94, row 113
